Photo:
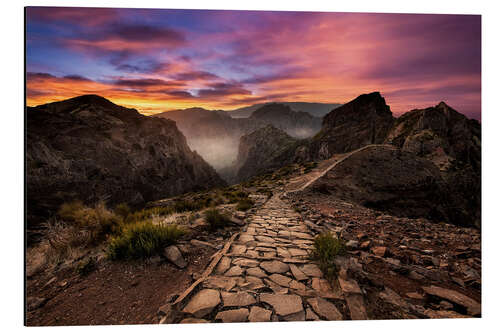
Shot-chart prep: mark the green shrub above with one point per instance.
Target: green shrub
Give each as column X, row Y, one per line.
column 244, row 204
column 215, row 219
column 326, row 248
column 142, row 240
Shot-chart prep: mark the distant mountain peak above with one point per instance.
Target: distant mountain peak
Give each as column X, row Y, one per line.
column 89, row 102
column 90, row 99
column 314, row 109
column 442, row 105
column 374, row 98
column 272, row 109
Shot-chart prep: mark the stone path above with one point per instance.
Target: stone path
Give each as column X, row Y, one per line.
column 266, row 275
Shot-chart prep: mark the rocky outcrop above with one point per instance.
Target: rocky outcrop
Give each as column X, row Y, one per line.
column 364, row 120
column 265, row 149
column 400, row 183
column 452, row 142
column 440, row 134
column 90, row 149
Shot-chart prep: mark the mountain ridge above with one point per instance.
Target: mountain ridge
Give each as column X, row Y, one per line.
column 90, row 149
column 439, row 134
column 314, row 109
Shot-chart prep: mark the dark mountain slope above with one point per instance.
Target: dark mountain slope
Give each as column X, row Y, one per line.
column 391, row 180
column 265, row 149
column 364, row 120
column 90, row 149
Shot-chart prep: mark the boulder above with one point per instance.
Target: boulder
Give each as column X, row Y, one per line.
column 173, row 254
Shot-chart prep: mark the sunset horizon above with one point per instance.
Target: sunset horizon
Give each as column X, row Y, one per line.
column 162, row 60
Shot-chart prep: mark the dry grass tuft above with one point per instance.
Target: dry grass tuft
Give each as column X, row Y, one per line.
column 143, row 240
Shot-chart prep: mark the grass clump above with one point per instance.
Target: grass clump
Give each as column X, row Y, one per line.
column 122, row 210
column 179, row 206
column 143, row 240
column 86, row 266
column 233, row 196
column 244, row 204
column 215, row 219
column 98, row 221
column 326, row 248
column 67, row 210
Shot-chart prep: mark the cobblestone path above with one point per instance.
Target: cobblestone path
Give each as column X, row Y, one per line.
column 266, row 275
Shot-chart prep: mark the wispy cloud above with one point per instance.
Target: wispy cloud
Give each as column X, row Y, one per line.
column 165, row 59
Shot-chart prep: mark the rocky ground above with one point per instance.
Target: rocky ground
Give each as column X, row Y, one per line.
column 395, row 268
column 405, row 268
column 260, row 269
column 115, row 293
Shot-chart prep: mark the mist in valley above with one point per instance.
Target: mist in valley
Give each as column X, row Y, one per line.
column 221, row 152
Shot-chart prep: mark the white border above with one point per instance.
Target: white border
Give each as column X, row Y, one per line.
column 12, row 132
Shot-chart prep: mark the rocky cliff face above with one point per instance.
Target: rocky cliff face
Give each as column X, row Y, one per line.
column 265, row 149
column 364, row 120
column 90, row 149
column 440, row 134
column 296, row 124
column 453, row 143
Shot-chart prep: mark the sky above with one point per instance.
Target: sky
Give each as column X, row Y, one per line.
column 157, row 60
